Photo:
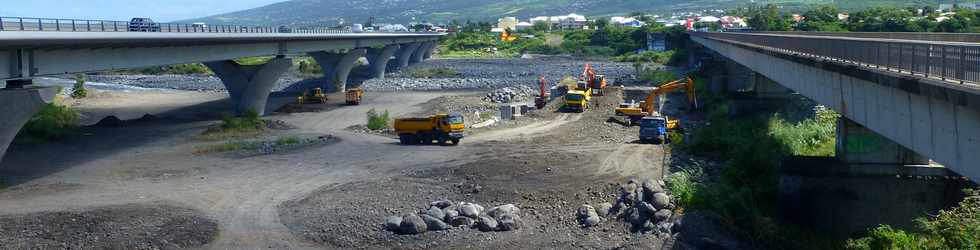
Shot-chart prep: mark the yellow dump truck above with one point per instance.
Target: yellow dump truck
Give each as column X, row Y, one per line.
column 577, row 100
column 425, row 130
column 317, row 96
column 354, row 96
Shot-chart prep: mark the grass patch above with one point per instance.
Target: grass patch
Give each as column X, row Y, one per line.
column 476, row 53
column 249, row 145
column 310, row 67
column 658, row 57
column 78, row 90
column 176, row 69
column 52, row 122
column 433, row 73
column 811, row 137
column 249, row 125
column 378, row 121
column 258, row 60
column 657, row 77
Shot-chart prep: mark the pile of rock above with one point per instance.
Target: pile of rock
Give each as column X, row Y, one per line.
column 646, row 206
column 509, row 94
column 444, row 215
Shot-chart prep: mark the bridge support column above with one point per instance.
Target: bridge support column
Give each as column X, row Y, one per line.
column 378, row 59
column 858, row 145
column 337, row 67
column 428, row 50
column 404, row 55
column 418, row 53
column 249, row 85
column 18, row 105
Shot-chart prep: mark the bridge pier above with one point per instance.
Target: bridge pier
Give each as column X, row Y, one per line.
column 378, row 59
column 249, row 85
column 416, row 56
column 337, row 67
column 19, row 105
column 404, row 55
column 428, row 50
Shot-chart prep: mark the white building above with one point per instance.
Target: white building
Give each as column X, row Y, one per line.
column 626, row 22
column 570, row 21
column 507, row 23
column 523, row 26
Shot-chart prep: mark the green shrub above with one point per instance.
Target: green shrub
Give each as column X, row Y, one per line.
column 657, row 77
column 288, row 140
column 884, row 237
column 659, row 57
column 310, row 66
column 810, row 137
column 78, row 90
column 249, row 121
column 258, row 60
column 433, row 73
column 377, row 121
column 52, row 122
column 685, row 186
column 177, row 69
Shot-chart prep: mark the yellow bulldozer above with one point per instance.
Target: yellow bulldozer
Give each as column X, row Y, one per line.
column 316, row 96
column 634, row 112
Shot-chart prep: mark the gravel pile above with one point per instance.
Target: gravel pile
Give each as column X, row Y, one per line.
column 113, row 227
column 646, row 206
column 509, row 94
column 444, row 215
column 499, row 73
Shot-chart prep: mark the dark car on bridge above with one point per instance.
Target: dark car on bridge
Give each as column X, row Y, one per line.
column 142, row 24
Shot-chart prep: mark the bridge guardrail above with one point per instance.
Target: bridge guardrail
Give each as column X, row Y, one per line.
column 79, row 25
column 949, row 61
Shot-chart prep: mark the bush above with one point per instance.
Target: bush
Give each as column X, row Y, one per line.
column 51, row 123
column 685, row 186
column 810, row 137
column 177, row 69
column 377, row 121
column 250, row 121
column 78, row 91
column 955, row 228
column 657, row 77
column 647, row 57
column 310, row 66
column 884, row 237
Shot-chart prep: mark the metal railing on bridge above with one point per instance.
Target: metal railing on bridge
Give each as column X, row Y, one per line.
column 79, row 25
column 946, row 60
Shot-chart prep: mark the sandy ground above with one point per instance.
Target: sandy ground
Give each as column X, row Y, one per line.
column 333, row 195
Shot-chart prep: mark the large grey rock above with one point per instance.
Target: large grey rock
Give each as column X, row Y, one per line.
column 486, row 224
column 470, row 210
column 450, row 214
column 652, row 187
column 462, row 221
column 591, row 221
column 435, row 212
column 508, row 222
column 393, row 222
column 661, row 201
column 412, row 224
column 604, row 208
column 635, row 216
column 433, row 223
column 586, row 211
column 647, row 208
column 662, row 215
column 498, row 211
column 442, row 204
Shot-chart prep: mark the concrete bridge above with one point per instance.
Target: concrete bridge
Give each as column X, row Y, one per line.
column 44, row 47
column 905, row 98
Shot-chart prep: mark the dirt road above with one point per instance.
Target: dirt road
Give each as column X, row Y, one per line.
column 334, row 195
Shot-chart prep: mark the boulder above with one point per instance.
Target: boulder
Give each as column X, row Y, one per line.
column 450, row 214
column 652, row 187
column 604, row 208
column 462, row 221
column 470, row 210
column 508, row 222
column 661, row 201
column 591, row 221
column 393, row 222
column 665, row 227
column 635, row 216
column 435, row 212
column 442, row 203
column 412, row 224
column 647, row 208
column 497, row 211
column 433, row 223
column 662, row 215
column 486, row 224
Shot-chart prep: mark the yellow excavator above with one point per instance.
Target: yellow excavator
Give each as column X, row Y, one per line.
column 648, row 108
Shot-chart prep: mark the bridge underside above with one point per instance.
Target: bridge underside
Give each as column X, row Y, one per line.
column 932, row 118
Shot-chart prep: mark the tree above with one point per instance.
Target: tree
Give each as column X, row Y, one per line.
column 601, row 23
column 823, row 18
column 767, row 19
column 541, row 26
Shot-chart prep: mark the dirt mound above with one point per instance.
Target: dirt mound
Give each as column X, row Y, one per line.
column 113, row 227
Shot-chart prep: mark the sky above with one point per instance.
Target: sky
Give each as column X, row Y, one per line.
column 158, row 10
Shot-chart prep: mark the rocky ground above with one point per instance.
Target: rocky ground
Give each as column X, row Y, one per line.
column 157, row 226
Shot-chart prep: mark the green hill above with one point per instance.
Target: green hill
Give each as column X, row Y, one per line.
column 328, row 12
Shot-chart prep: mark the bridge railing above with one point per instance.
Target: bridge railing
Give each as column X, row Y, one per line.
column 950, row 61
column 78, row 25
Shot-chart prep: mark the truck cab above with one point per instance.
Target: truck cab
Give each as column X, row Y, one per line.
column 654, row 129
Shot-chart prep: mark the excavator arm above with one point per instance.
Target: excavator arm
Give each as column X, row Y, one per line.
column 650, row 105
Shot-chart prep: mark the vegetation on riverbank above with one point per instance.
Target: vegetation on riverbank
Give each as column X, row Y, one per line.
column 51, row 123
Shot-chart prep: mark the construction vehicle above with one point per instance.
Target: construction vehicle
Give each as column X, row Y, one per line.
column 425, row 130
column 654, row 129
column 542, row 99
column 506, row 36
column 316, row 97
column 595, row 81
column 635, row 112
column 354, row 96
column 577, row 99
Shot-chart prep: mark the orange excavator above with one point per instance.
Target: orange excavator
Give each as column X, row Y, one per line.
column 542, row 99
column 506, row 36
column 648, row 108
column 595, row 81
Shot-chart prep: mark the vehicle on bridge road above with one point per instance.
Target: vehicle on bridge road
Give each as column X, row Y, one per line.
column 143, row 24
